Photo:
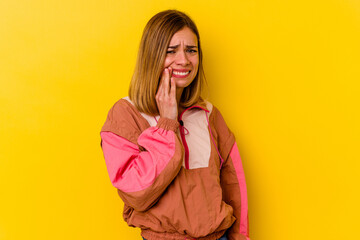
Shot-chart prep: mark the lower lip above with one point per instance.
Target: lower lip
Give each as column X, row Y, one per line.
column 181, row 76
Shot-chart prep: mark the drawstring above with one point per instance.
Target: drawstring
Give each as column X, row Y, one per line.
column 182, row 128
column 187, row 131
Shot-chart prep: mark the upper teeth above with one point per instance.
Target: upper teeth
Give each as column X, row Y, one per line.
column 181, row 73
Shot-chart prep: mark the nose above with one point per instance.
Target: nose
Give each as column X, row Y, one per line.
column 182, row 58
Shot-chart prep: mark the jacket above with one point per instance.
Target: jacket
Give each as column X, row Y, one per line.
column 178, row 179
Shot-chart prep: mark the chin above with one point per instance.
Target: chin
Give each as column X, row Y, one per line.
column 182, row 83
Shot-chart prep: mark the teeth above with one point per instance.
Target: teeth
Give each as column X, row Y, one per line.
column 181, row 73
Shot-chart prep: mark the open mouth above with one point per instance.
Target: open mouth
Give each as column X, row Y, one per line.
column 180, row 74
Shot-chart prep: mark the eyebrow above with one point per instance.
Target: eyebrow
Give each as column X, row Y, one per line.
column 187, row 46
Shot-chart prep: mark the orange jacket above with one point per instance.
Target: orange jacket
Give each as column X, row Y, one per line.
column 178, row 179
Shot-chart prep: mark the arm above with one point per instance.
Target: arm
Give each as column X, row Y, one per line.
column 235, row 194
column 232, row 177
column 142, row 176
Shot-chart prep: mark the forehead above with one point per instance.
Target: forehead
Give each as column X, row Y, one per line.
column 184, row 36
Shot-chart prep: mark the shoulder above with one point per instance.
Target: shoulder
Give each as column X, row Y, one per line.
column 122, row 109
column 213, row 111
column 215, row 115
column 222, row 133
column 124, row 120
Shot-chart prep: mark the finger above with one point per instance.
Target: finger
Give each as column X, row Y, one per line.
column 161, row 83
column 170, row 73
column 159, row 93
column 173, row 89
column 166, row 81
column 170, row 76
column 159, row 90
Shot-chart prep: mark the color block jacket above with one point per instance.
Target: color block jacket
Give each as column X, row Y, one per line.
column 178, row 179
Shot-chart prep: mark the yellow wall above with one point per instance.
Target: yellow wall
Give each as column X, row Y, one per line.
column 285, row 75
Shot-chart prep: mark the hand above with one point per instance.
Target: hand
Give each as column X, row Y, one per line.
column 166, row 96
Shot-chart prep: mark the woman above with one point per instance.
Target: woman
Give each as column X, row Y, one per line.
column 169, row 153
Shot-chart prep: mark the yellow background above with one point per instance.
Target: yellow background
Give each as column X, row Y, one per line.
column 285, row 75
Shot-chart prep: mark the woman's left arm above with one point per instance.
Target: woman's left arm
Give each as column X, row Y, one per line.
column 235, row 194
column 232, row 177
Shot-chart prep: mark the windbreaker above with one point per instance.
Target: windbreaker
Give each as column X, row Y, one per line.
column 178, row 179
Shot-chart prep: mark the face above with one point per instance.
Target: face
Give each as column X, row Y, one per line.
column 183, row 57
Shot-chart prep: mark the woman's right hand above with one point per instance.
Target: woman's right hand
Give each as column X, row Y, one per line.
column 166, row 96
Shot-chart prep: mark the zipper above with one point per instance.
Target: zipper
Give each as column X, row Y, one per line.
column 182, row 134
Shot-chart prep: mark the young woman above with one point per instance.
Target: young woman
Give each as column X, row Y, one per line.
column 168, row 152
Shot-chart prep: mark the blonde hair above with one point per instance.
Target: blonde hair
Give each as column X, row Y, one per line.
column 150, row 61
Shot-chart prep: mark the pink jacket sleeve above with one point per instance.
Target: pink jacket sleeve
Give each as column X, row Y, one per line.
column 232, row 178
column 235, row 194
column 142, row 175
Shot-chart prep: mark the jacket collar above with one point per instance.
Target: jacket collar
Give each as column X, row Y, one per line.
column 200, row 104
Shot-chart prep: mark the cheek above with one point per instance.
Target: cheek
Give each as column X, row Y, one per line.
column 167, row 62
column 194, row 60
column 195, row 63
